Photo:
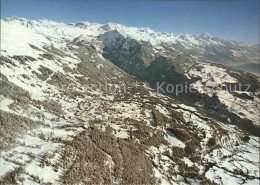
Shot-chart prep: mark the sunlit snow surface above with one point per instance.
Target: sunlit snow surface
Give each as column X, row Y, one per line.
column 16, row 37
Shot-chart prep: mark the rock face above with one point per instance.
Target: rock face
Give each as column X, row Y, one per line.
column 171, row 68
column 75, row 108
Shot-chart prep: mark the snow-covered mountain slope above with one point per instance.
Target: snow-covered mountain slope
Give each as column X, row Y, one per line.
column 147, row 46
column 205, row 46
column 220, row 91
column 71, row 116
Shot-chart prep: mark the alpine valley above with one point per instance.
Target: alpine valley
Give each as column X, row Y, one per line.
column 89, row 103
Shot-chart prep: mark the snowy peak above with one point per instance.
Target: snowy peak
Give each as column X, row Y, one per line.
column 206, row 34
column 138, row 33
column 204, row 46
column 14, row 18
column 86, row 25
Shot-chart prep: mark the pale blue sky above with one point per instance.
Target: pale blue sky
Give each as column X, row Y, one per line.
column 236, row 20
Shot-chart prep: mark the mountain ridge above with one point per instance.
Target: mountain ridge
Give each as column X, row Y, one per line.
column 203, row 47
column 80, row 106
column 116, row 26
